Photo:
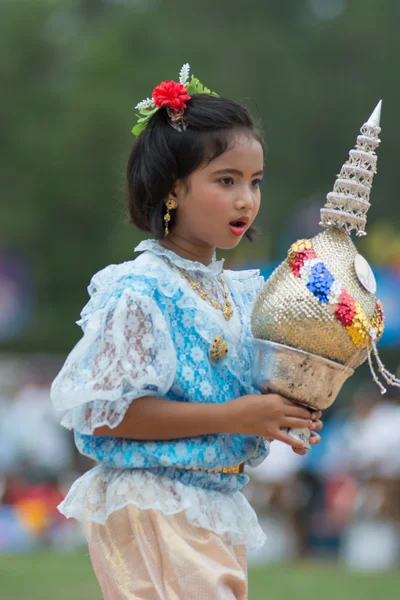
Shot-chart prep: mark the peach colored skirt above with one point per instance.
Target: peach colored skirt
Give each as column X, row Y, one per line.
column 146, row 555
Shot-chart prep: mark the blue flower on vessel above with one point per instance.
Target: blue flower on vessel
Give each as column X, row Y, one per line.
column 320, row 282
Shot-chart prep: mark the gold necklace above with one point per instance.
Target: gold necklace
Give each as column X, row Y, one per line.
column 226, row 309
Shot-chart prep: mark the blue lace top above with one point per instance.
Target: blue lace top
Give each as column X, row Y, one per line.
column 147, row 332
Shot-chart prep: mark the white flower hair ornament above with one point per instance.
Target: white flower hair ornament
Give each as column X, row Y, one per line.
column 173, row 95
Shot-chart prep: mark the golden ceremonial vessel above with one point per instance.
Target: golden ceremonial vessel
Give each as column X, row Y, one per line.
column 317, row 317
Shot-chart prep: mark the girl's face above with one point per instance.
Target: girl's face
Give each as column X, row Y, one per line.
column 220, row 200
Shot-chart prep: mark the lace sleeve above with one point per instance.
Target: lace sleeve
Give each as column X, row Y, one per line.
column 126, row 352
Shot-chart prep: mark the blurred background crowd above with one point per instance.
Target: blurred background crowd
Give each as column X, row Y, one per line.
column 71, row 72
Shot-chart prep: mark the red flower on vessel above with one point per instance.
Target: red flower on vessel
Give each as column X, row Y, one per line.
column 172, row 94
column 301, row 257
column 345, row 312
column 297, row 264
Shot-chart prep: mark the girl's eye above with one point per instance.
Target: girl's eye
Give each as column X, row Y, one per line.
column 227, row 180
column 257, row 182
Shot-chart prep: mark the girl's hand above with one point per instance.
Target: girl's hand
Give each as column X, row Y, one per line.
column 315, row 438
column 265, row 415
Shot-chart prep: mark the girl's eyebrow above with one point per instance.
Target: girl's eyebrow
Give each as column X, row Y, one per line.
column 236, row 171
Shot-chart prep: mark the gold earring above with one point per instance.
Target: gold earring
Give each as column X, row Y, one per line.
column 171, row 205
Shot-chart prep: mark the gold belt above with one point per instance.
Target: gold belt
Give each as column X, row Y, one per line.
column 226, row 470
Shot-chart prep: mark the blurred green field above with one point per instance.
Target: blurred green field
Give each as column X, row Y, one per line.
column 55, row 576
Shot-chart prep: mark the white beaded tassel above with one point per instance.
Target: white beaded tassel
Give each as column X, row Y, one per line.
column 387, row 375
column 348, row 203
column 374, row 375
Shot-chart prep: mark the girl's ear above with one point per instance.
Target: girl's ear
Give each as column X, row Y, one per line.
column 178, row 191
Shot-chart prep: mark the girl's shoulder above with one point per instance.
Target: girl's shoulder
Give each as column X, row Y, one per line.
column 142, row 276
column 145, row 268
column 247, row 282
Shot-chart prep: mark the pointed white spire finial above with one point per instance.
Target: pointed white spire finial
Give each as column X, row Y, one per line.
column 347, row 205
column 375, row 118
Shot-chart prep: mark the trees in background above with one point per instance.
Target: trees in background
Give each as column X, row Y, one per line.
column 71, row 72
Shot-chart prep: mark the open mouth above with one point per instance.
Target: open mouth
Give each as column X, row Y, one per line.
column 238, row 227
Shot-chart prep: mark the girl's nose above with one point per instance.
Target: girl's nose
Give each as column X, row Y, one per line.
column 244, row 200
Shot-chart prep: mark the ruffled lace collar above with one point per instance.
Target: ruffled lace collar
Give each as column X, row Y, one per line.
column 215, row 267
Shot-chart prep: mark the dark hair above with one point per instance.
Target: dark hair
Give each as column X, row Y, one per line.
column 161, row 155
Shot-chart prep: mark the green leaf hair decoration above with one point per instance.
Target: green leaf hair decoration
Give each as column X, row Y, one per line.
column 147, row 108
column 196, row 87
column 143, row 120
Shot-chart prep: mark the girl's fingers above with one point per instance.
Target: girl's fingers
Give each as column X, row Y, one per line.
column 297, row 411
column 301, row 451
column 301, row 411
column 296, row 423
column 316, row 415
column 315, row 438
column 317, row 425
column 286, row 439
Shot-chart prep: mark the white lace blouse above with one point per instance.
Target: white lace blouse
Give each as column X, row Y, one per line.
column 146, row 331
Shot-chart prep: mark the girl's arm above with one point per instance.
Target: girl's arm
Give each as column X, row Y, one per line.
column 151, row 418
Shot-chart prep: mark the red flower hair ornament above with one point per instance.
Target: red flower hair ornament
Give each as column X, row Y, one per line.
column 172, row 95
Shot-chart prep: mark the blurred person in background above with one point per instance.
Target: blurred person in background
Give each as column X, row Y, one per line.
column 342, row 499
column 30, row 427
column 371, row 539
column 159, row 389
column 355, row 476
column 34, row 455
column 277, row 494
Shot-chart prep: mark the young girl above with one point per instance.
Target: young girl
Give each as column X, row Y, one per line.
column 158, row 390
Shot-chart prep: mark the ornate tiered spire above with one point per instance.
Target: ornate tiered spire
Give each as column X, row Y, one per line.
column 347, row 205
